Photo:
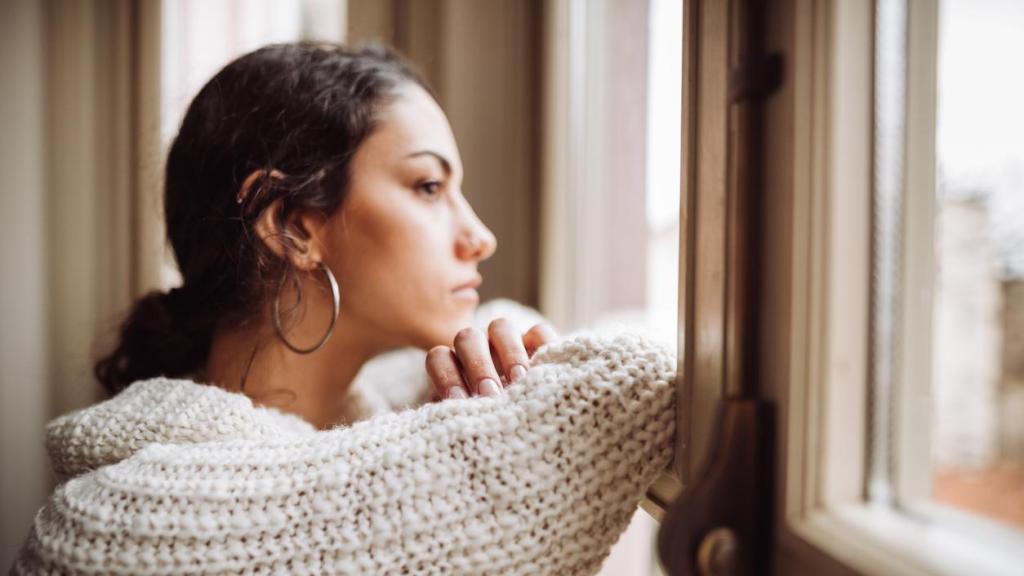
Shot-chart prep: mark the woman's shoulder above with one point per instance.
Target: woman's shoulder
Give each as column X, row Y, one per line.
column 158, row 411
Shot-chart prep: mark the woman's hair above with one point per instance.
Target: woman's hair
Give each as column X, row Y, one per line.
column 299, row 109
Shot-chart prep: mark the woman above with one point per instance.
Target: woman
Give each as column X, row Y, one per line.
column 313, row 203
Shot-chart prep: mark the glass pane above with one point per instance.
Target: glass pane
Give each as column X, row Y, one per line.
column 978, row 359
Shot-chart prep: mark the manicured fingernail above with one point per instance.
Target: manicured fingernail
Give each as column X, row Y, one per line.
column 457, row 392
column 489, row 387
column 518, row 372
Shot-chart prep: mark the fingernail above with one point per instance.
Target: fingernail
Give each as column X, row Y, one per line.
column 457, row 392
column 518, row 372
column 489, row 387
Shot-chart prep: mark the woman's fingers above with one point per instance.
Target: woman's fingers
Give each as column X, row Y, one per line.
column 538, row 336
column 478, row 364
column 444, row 373
column 474, row 354
column 512, row 359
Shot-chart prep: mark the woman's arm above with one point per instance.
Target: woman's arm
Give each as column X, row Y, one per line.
column 541, row 480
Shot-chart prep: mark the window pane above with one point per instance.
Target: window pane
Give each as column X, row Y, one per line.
column 978, row 358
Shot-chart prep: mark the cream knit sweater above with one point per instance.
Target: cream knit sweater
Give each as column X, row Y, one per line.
column 172, row 476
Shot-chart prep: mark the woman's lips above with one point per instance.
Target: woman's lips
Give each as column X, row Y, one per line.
column 473, row 282
column 467, row 293
column 467, row 290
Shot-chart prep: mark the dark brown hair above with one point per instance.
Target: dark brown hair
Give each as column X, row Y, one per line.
column 301, row 109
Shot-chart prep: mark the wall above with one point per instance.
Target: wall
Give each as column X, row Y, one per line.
column 24, row 398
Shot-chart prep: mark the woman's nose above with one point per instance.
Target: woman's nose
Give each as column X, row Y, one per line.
column 476, row 242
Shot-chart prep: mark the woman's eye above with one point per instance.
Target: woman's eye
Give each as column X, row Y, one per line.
column 431, row 187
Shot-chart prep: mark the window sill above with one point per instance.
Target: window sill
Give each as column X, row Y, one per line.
column 882, row 541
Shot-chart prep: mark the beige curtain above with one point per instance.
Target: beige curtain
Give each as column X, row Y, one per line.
column 82, row 229
column 103, row 164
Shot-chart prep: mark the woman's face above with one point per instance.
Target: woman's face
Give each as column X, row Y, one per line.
column 406, row 238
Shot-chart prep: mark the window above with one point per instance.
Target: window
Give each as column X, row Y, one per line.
column 948, row 256
column 978, row 299
column 899, row 394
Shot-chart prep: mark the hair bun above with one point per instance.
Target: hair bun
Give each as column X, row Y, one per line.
column 159, row 321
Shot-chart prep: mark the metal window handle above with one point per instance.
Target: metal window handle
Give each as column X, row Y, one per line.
column 722, row 523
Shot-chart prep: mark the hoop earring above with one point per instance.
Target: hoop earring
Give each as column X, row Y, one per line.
column 336, row 303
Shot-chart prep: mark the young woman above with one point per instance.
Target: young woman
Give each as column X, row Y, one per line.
column 313, row 202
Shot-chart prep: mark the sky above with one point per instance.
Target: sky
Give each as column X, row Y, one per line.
column 980, row 124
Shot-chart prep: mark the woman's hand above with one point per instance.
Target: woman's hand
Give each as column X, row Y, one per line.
column 482, row 365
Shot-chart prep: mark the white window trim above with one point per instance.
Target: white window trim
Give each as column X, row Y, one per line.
column 572, row 228
column 912, row 441
column 825, row 432
column 884, row 542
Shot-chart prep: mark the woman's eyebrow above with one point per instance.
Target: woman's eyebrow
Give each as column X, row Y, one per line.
column 445, row 164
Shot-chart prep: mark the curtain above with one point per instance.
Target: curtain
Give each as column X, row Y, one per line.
column 81, row 216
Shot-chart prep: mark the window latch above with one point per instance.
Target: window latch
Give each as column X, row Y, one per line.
column 722, row 523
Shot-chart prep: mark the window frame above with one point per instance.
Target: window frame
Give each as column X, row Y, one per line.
column 705, row 259
column 825, row 521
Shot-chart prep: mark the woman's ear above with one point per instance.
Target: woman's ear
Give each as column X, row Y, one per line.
column 297, row 237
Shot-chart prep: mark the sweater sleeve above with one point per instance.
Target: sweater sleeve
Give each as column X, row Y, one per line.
column 541, row 480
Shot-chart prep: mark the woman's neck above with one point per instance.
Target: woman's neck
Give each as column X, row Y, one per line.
column 312, row 386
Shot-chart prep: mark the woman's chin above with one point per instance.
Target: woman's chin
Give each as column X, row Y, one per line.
column 442, row 336
column 461, row 321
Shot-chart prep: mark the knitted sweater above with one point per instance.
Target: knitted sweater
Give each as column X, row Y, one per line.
column 172, row 476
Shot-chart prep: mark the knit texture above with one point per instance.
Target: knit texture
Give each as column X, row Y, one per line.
column 172, row 476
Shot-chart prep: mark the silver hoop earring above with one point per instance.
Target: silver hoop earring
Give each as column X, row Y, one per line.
column 336, row 302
